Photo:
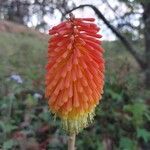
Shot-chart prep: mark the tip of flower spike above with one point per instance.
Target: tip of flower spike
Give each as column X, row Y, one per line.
column 72, row 16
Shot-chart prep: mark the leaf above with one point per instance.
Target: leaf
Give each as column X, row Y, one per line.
column 2, row 125
column 45, row 116
column 113, row 94
column 30, row 101
column 147, row 116
column 127, row 144
column 7, row 128
column 8, row 145
column 138, row 110
column 144, row 134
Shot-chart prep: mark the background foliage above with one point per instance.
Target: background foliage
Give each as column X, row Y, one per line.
column 122, row 119
column 121, row 122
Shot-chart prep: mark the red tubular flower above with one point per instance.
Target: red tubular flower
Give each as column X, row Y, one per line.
column 75, row 72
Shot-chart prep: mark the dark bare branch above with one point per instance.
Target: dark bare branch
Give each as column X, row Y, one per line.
column 123, row 39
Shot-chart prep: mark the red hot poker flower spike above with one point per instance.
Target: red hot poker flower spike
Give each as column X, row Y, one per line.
column 75, row 72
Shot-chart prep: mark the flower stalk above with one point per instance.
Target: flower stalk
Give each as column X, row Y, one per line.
column 71, row 141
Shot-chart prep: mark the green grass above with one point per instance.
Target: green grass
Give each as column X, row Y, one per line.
column 22, row 54
column 25, row 53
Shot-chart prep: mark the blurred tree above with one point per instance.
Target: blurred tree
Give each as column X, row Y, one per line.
column 146, row 20
column 126, row 24
column 143, row 29
column 14, row 10
column 22, row 11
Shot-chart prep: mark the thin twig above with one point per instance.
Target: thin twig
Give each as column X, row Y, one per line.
column 123, row 39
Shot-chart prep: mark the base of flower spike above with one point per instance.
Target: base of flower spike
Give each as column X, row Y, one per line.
column 77, row 124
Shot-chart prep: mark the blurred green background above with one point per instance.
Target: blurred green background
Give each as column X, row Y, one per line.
column 122, row 119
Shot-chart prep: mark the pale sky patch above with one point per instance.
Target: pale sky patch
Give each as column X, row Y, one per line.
column 55, row 19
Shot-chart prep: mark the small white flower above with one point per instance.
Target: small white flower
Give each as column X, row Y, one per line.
column 37, row 95
column 17, row 78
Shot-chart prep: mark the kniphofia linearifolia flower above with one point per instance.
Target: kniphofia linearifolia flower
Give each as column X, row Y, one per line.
column 75, row 72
